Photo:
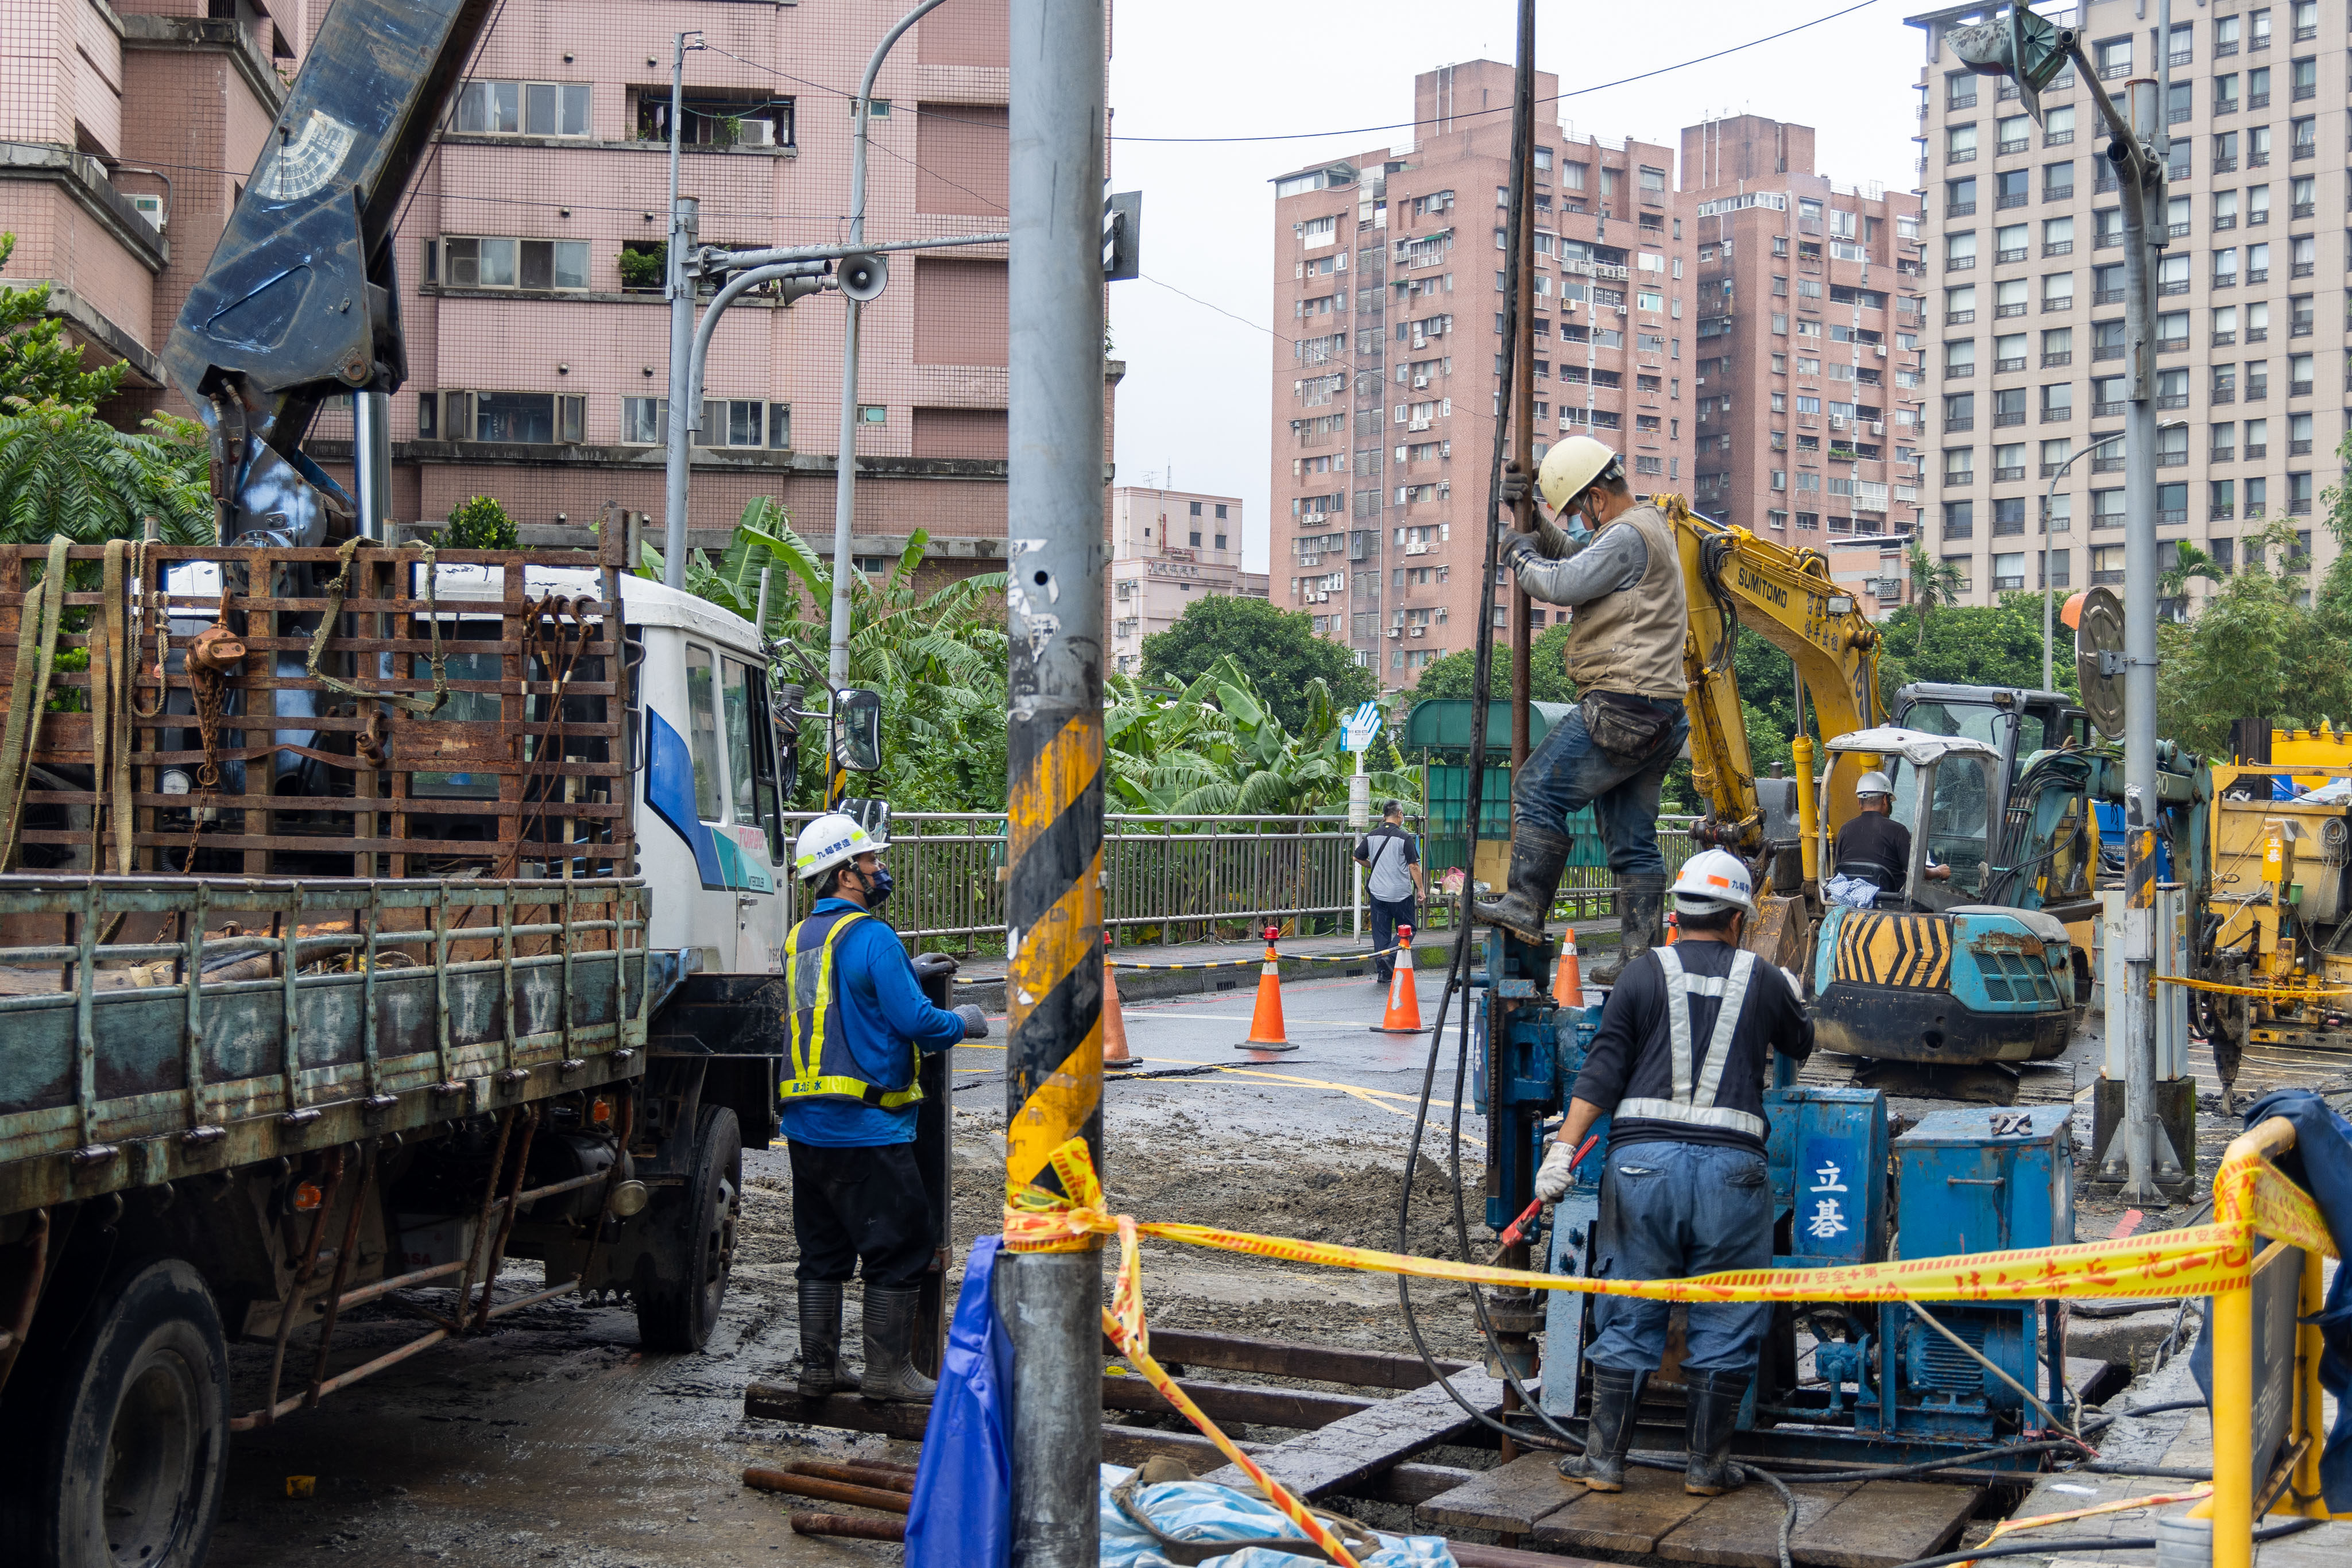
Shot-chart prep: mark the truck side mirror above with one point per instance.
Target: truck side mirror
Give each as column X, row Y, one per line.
column 857, row 730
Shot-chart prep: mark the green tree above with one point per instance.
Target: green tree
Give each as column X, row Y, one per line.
column 2254, row 653
column 1217, row 748
column 1933, row 583
column 937, row 659
column 2189, row 563
column 1456, row 675
column 1276, row 649
column 480, row 523
column 36, row 365
column 63, row 470
column 1972, row 644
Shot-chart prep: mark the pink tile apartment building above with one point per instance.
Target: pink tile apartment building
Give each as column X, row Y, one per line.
column 1169, row 549
column 1388, row 287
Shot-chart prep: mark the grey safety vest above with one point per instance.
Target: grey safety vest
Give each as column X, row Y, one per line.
column 823, row 1068
column 1694, row 1102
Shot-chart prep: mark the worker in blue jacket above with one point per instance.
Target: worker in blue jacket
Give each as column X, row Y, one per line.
column 858, row 1022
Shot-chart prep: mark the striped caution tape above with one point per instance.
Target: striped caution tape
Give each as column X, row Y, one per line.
column 1258, row 962
column 2271, row 993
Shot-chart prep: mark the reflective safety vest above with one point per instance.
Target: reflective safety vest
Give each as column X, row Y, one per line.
column 1694, row 1102
column 823, row 1068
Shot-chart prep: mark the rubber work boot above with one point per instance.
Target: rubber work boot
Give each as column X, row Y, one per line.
column 1608, row 1435
column 890, row 1374
column 1538, row 858
column 1707, row 1422
column 1639, row 902
column 822, row 1374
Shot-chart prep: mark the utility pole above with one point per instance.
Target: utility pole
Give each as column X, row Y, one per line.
column 1054, row 734
column 679, row 287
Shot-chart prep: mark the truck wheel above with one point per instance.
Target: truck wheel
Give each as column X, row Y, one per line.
column 137, row 1445
column 677, row 1309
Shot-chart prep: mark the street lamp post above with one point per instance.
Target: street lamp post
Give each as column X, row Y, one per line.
column 2049, row 594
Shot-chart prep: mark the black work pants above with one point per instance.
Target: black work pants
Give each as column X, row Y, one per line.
column 1388, row 914
column 862, row 1205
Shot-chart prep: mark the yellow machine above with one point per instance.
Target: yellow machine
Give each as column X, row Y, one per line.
column 2281, row 906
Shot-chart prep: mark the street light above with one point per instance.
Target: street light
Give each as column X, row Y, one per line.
column 2048, row 663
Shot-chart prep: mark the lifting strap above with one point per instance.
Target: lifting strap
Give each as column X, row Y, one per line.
column 809, row 1081
column 1694, row 1102
column 335, row 592
column 36, row 648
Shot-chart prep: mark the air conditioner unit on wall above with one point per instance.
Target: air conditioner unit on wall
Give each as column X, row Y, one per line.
column 757, row 132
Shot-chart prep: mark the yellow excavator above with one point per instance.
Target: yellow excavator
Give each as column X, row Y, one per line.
column 1961, row 972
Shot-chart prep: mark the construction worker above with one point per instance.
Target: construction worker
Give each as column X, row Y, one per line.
column 1391, row 883
column 1873, row 850
column 1617, row 564
column 858, row 1020
column 1679, row 1065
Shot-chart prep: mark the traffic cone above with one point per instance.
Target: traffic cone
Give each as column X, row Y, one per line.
column 1568, row 975
column 1114, row 1022
column 1266, row 1022
column 1403, row 1015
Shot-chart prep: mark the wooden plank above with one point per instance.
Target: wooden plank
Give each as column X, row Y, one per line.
column 1343, row 1456
column 1652, row 1505
column 1256, row 1404
column 1407, row 1484
column 782, row 1402
column 1509, row 1497
column 1287, row 1358
column 1742, row 1529
column 1880, row 1524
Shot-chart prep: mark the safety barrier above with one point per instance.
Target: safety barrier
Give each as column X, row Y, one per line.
column 1181, row 879
column 2265, row 1357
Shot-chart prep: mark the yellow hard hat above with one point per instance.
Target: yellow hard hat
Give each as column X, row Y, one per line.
column 1571, row 468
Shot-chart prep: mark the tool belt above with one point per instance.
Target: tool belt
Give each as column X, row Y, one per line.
column 1628, row 731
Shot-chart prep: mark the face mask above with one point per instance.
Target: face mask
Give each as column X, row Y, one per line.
column 878, row 886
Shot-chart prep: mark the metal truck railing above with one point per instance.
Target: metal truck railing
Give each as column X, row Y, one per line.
column 1179, row 879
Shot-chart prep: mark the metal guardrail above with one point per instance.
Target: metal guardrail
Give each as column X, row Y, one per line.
column 1179, row 879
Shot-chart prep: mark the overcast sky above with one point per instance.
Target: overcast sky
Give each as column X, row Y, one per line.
column 1196, row 397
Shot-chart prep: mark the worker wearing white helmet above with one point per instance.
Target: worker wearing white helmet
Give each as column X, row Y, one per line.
column 1874, row 851
column 1617, row 564
column 858, row 1022
column 1679, row 1066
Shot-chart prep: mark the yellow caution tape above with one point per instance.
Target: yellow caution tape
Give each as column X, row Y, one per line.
column 2271, row 993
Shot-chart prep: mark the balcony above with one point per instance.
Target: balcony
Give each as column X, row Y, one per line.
column 2060, row 305
column 2177, row 231
column 2059, row 248
column 2300, row 269
column 2061, row 414
column 2306, row 89
column 1961, row 210
column 2173, row 286
column 2019, row 200
column 2004, row 476
column 2050, row 470
column 2111, row 240
column 2172, row 460
column 2057, row 193
column 2225, row 280
column 2172, row 345
column 2223, row 340
column 2112, row 464
column 2106, row 580
column 2004, row 257
column 2224, row 47
column 2106, row 351
column 1959, row 372
column 2298, row 448
column 2223, row 454
column 2258, row 160
column 1963, row 100
column 2255, row 392
column 2255, row 452
column 2225, row 165
column 2020, row 145
column 2219, row 514
column 1959, row 317
column 2108, row 296
column 1954, row 426
column 2301, row 210
column 2171, row 516
column 2258, row 334
column 2300, row 329
column 2115, row 73
column 2015, row 307
column 2225, row 221
column 2305, row 34
column 1960, row 155
column 2058, row 139
column 2181, row 58
column 2221, row 396
column 2173, row 400
column 1953, row 479
column 2003, row 585
column 2004, row 421
column 2057, row 361
column 2258, row 101
column 2298, row 389
column 1959, row 263
column 2299, row 508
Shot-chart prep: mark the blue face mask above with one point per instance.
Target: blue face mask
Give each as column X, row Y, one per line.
column 878, row 886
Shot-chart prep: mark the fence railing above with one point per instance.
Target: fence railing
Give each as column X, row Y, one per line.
column 1186, row 879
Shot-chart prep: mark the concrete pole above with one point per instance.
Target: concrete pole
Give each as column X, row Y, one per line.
column 684, row 227
column 1053, row 601
column 844, row 463
column 2142, row 191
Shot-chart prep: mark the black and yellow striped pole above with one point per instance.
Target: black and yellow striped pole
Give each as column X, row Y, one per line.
column 1053, row 909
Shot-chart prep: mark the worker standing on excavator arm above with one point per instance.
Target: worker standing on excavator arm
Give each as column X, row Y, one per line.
column 1618, row 565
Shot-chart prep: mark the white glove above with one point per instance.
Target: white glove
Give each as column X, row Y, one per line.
column 1552, row 1179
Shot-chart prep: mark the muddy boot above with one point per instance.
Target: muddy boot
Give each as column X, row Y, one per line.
column 1707, row 1422
column 1608, row 1435
column 822, row 1374
column 1640, row 901
column 1538, row 857
column 890, row 1373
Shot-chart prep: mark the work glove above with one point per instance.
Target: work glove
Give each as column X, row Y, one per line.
column 975, row 1022
column 1517, row 481
column 1520, row 549
column 934, row 966
column 1552, row 1177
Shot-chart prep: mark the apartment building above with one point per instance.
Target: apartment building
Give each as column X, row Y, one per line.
column 124, row 133
column 2026, row 304
column 1388, row 310
column 1807, row 315
column 1169, row 549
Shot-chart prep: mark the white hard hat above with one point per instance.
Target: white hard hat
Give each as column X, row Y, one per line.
column 1712, row 879
column 832, row 840
column 1571, row 468
column 1874, row 783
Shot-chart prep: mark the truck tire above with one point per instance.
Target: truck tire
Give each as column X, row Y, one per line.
column 678, row 1306
column 136, row 1448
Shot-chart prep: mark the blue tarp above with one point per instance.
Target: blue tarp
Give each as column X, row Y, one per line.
column 961, row 1513
column 1197, row 1511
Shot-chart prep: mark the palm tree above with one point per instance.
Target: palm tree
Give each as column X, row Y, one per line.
column 2189, row 563
column 1933, row 583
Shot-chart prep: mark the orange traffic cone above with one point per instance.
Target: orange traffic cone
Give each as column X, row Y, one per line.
column 1114, row 1022
column 1265, row 1023
column 1568, row 975
column 1403, row 1015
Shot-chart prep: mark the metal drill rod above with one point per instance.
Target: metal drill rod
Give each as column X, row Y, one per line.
column 1053, row 596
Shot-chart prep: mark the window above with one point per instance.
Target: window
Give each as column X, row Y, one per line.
column 524, row 108
column 534, row 264
column 2009, row 243
column 2258, row 87
column 2058, row 126
column 1959, row 519
column 1959, row 143
column 702, row 731
column 2013, row 134
column 2057, row 347
column 721, row 118
column 2225, row 94
column 2058, row 402
column 2113, row 58
column 536, row 419
column 1961, row 358
column 1960, row 197
column 2057, row 292
column 2257, row 447
column 1653, row 179
column 2057, row 182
